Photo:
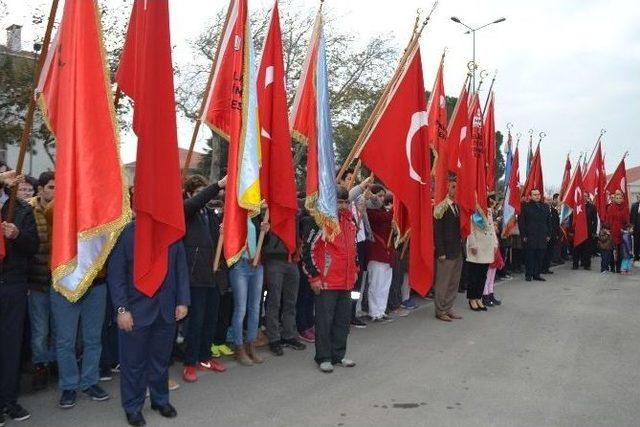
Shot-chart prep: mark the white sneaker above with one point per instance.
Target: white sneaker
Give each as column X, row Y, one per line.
column 401, row 312
column 326, row 367
column 347, row 363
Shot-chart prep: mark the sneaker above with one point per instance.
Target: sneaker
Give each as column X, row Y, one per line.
column 409, row 304
column 40, row 377
column 326, row 367
column 96, row 393
column 212, row 365
column 221, row 350
column 116, row 369
column 105, row 375
column 215, row 351
column 357, row 322
column 16, row 412
column 346, row 363
column 276, row 348
column 68, row 399
column 294, row 344
column 309, row 336
column 173, row 385
column 400, row 312
column 189, row 374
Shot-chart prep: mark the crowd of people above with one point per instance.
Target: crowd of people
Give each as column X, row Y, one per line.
column 203, row 312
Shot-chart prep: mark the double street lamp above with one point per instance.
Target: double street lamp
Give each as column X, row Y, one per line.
column 473, row 34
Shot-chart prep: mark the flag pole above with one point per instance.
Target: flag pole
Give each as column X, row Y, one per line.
column 28, row 120
column 216, row 261
column 196, row 128
column 417, row 30
column 493, row 80
column 256, row 258
column 593, row 152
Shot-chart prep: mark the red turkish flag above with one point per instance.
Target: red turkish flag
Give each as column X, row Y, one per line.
column 489, row 133
column 397, row 152
column 145, row 74
column 574, row 199
column 472, row 187
column 277, row 178
column 458, row 129
column 618, row 182
column 595, row 181
column 566, row 177
column 437, row 134
column 534, row 178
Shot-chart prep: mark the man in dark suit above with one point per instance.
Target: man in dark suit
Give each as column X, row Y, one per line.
column 448, row 248
column 147, row 327
column 635, row 221
column 535, row 230
column 554, row 233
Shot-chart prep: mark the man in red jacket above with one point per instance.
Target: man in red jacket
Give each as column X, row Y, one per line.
column 332, row 268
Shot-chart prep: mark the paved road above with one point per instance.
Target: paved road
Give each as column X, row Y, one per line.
column 561, row 353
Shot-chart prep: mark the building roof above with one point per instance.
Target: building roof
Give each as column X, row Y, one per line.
column 633, row 175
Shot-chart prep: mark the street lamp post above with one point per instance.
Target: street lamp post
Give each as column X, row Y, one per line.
column 473, row 37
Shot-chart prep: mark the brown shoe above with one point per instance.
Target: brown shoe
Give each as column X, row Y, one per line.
column 444, row 317
column 241, row 356
column 252, row 353
column 453, row 315
column 262, row 340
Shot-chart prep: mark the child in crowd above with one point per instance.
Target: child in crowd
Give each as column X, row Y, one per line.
column 605, row 244
column 626, row 249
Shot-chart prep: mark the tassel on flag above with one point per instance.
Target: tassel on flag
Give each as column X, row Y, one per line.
column 311, row 125
column 231, row 110
column 92, row 204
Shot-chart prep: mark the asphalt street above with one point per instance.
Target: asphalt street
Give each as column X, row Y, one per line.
column 561, row 353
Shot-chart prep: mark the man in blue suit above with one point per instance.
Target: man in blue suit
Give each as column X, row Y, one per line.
column 147, row 327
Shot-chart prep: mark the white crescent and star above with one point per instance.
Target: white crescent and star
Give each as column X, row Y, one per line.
column 577, row 196
column 419, row 120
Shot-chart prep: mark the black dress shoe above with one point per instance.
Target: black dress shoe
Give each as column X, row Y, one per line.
column 528, row 279
column 547, row 272
column 575, row 267
column 167, row 411
column 136, row 419
column 539, row 279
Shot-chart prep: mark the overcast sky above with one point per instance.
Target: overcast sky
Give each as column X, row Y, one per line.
column 568, row 68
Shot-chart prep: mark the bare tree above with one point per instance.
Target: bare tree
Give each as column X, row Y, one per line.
column 356, row 74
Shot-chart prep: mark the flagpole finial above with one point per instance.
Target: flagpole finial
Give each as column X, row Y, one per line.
column 426, row 20
column 509, row 126
column 541, row 135
column 518, row 136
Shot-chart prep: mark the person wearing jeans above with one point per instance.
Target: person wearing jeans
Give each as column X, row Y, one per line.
column 332, row 267
column 42, row 331
column 246, row 282
column 89, row 311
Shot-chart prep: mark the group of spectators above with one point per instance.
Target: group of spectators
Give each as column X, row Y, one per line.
column 207, row 309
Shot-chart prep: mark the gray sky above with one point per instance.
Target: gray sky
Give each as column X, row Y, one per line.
column 565, row 67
